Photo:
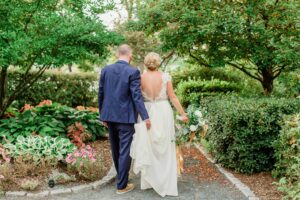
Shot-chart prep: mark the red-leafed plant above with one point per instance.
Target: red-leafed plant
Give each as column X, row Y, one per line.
column 78, row 135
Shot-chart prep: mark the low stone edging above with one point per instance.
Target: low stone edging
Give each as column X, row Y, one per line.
column 67, row 190
column 236, row 182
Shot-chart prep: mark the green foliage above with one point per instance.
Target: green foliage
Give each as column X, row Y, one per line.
column 68, row 89
column 242, row 131
column 287, row 85
column 40, row 147
column 287, row 152
column 203, row 73
column 190, row 92
column 38, row 35
column 260, row 38
column 191, row 131
column 50, row 120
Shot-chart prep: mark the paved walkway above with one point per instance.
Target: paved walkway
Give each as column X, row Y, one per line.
column 189, row 189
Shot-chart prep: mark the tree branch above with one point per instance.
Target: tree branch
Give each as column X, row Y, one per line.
column 244, row 70
column 199, row 60
column 31, row 15
column 23, row 86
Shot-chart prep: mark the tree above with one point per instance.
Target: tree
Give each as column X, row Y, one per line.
column 42, row 34
column 259, row 37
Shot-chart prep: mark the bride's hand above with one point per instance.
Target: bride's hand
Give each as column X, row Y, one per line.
column 184, row 118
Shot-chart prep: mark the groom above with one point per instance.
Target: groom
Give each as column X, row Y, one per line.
column 120, row 102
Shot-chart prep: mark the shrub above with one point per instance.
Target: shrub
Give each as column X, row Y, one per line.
column 242, row 131
column 49, row 120
column 85, row 163
column 190, row 92
column 287, row 85
column 68, row 89
column 203, row 73
column 287, row 149
column 38, row 148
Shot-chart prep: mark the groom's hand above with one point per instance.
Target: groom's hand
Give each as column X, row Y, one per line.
column 104, row 124
column 148, row 123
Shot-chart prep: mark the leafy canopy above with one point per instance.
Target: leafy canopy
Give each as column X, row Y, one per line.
column 261, row 37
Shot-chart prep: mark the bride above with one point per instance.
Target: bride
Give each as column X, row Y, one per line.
column 154, row 151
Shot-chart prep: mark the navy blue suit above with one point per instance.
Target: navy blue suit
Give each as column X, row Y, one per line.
column 120, row 102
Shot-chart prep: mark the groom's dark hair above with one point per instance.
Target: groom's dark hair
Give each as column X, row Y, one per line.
column 124, row 50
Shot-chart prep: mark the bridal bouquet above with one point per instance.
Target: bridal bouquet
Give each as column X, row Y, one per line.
column 195, row 129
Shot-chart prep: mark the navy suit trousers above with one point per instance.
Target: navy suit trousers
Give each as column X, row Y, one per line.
column 121, row 136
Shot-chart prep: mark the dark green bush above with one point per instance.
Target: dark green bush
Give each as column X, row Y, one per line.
column 190, row 92
column 50, row 120
column 287, row 152
column 242, row 131
column 204, row 73
column 68, row 89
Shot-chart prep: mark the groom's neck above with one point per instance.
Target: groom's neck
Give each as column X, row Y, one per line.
column 124, row 59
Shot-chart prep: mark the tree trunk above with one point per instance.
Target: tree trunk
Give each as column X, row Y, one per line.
column 3, row 83
column 268, row 80
column 70, row 67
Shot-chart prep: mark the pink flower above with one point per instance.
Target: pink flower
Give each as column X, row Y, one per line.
column 1, row 176
column 70, row 159
column 77, row 154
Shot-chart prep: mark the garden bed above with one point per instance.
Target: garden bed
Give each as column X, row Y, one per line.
column 42, row 173
column 261, row 184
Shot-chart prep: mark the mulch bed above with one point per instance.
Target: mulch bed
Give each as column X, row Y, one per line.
column 261, row 184
column 198, row 166
column 102, row 148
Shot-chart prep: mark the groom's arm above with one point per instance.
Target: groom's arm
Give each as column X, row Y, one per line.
column 135, row 88
column 101, row 91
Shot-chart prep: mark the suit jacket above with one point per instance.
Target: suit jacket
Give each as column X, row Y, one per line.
column 120, row 97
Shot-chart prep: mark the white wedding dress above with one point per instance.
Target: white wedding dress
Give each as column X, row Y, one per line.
column 154, row 151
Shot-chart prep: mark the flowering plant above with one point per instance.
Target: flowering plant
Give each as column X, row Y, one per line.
column 78, row 157
column 85, row 162
column 194, row 129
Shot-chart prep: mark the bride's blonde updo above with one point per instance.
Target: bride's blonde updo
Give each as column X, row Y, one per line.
column 152, row 61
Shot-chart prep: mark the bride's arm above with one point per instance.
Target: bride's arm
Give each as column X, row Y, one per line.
column 174, row 100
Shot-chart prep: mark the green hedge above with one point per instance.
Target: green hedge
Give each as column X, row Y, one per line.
column 242, row 131
column 190, row 92
column 288, row 158
column 204, row 73
column 68, row 89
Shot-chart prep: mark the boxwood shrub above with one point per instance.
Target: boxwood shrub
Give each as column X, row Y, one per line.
column 287, row 152
column 242, row 131
column 203, row 73
column 68, row 89
column 190, row 92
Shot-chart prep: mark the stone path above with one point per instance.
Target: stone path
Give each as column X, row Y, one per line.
column 189, row 189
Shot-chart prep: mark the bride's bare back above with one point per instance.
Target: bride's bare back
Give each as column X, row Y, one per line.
column 152, row 83
column 158, row 85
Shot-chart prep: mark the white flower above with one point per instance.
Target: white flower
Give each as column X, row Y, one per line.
column 198, row 113
column 193, row 128
column 1, row 176
column 201, row 123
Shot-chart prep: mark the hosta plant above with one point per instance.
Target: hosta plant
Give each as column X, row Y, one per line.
column 40, row 148
column 50, row 119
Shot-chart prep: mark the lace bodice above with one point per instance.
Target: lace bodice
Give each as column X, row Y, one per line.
column 163, row 95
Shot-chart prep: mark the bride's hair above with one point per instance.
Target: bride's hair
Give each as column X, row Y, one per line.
column 152, row 61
